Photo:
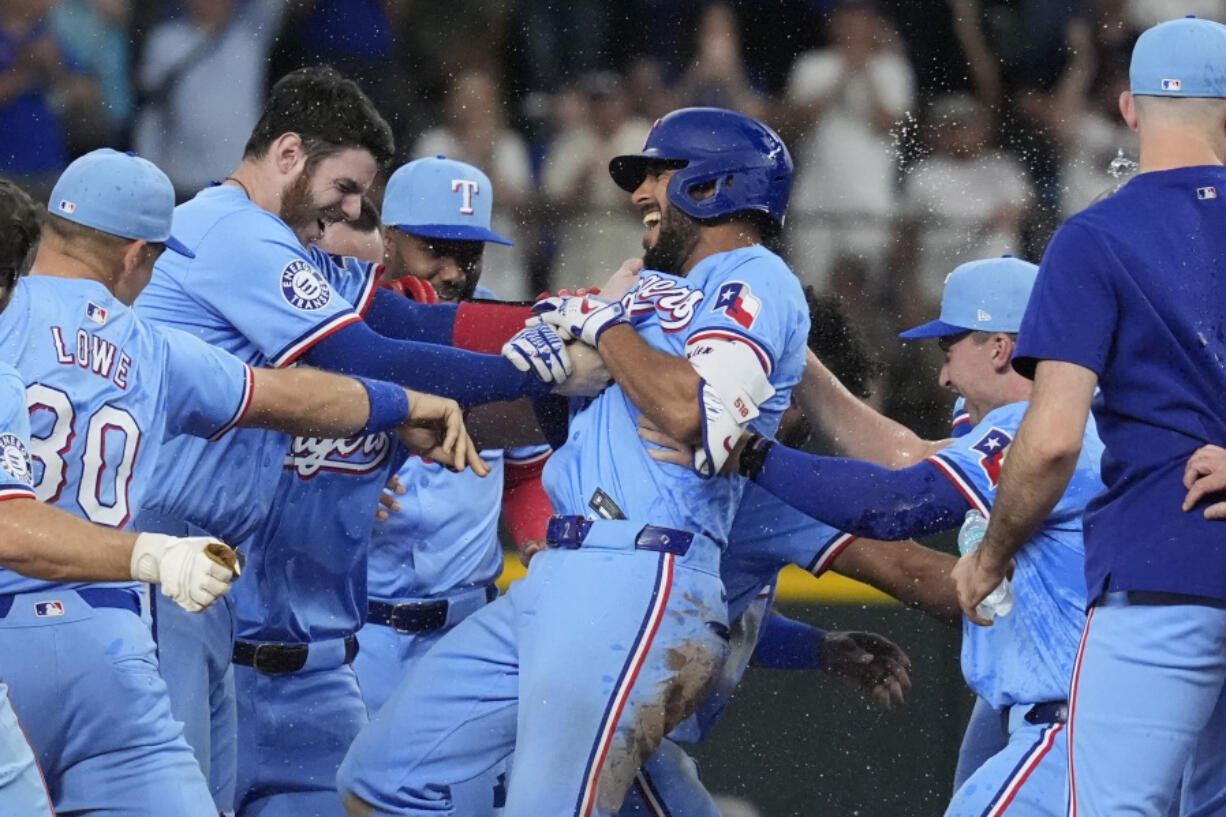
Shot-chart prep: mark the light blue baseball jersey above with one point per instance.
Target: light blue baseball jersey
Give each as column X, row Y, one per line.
column 308, row 558
column 104, row 389
column 721, row 299
column 1027, row 656
column 16, row 473
column 256, row 292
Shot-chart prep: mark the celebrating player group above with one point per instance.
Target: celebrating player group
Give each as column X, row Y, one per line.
column 255, row 451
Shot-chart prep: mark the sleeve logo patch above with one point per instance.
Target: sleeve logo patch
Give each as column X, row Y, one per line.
column 992, row 448
column 15, row 459
column 303, row 287
column 738, row 303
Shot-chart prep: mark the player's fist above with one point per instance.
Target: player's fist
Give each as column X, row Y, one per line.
column 539, row 349
column 193, row 571
column 580, row 318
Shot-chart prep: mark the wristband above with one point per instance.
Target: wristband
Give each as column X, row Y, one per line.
column 753, row 456
column 389, row 406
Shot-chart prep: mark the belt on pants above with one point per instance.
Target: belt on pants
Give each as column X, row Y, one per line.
column 428, row 615
column 570, row 531
column 1149, row 598
column 1046, row 712
column 113, row 597
column 273, row 658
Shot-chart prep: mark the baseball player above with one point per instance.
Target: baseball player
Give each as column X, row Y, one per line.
column 620, row 625
column 1128, row 301
column 99, row 383
column 257, row 288
column 1024, row 661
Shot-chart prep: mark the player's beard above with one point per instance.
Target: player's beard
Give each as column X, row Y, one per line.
column 678, row 237
column 298, row 210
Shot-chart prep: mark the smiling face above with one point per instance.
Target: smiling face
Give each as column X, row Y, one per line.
column 671, row 235
column 452, row 267
column 327, row 191
column 970, row 370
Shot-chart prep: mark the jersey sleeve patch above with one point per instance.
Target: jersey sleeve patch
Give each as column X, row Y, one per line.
column 736, row 300
column 15, row 459
column 992, row 448
column 303, row 287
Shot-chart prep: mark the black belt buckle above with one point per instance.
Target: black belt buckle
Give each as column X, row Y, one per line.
column 1047, row 712
column 271, row 659
column 419, row 616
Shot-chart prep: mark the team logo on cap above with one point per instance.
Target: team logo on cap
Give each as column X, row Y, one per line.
column 1172, row 85
column 467, row 188
column 15, row 459
column 303, row 287
column 66, row 206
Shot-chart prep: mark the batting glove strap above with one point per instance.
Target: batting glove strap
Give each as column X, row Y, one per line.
column 580, row 318
column 184, row 568
column 541, row 350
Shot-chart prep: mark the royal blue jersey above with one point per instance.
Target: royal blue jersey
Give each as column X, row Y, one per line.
column 253, row 290
column 16, row 471
column 104, row 389
column 1129, row 288
column 1026, row 656
column 745, row 296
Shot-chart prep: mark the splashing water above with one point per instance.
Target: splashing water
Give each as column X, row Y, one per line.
column 1121, row 166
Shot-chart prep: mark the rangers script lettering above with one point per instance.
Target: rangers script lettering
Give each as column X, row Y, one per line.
column 310, row 455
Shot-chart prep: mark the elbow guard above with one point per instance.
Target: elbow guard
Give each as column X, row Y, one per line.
column 735, row 382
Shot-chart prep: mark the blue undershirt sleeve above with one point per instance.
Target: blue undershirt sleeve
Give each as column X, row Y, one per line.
column 395, row 316
column 466, row 377
column 788, row 644
column 864, row 499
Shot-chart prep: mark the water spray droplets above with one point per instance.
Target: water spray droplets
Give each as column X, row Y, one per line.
column 1121, row 165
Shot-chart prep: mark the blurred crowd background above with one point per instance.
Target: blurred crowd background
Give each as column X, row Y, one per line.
column 925, row 132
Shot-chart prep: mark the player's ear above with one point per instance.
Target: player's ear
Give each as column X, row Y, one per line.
column 288, row 152
column 1128, row 109
column 1002, row 351
column 133, row 254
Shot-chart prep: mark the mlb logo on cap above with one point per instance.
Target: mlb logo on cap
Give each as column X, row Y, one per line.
column 1172, row 85
column 66, row 206
column 46, row 609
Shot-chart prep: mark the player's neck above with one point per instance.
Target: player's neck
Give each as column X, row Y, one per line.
column 55, row 263
column 260, row 183
column 1167, row 149
column 720, row 238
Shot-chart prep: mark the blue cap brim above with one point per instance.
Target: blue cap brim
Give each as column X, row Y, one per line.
column 932, row 329
column 178, row 246
column 454, row 232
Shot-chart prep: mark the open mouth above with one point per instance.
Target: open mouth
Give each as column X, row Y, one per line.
column 651, row 221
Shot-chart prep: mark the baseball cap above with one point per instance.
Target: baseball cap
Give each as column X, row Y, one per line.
column 441, row 198
column 1180, row 58
column 987, row 296
column 120, row 194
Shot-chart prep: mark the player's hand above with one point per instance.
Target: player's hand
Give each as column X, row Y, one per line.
column 625, row 279
column 669, row 450
column 589, row 376
column 580, row 318
column 1205, row 474
column 435, row 429
column 530, row 549
column 388, row 504
column 975, row 577
column 193, row 571
column 539, row 349
column 872, row 663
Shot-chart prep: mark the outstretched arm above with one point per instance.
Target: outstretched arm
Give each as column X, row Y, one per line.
column 915, row 575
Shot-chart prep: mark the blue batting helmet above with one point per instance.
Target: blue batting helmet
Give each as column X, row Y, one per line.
column 747, row 161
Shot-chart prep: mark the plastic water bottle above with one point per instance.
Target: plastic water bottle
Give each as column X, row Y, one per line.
column 1000, row 601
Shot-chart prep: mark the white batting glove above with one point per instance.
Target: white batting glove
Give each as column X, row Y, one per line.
column 580, row 317
column 193, row 571
column 539, row 349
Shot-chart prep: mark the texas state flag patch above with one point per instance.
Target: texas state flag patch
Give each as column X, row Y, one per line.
column 738, row 303
column 992, row 447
